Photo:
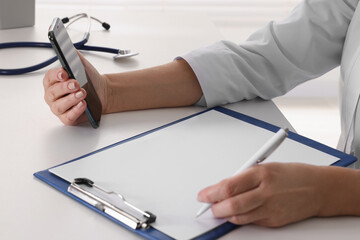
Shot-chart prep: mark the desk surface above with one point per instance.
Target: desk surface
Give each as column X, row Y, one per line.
column 33, row 139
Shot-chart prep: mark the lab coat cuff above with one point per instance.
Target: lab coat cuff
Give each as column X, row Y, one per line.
column 199, row 67
column 202, row 101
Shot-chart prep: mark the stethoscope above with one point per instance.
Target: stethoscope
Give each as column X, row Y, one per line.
column 80, row 45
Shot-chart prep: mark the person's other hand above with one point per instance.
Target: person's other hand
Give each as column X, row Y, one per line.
column 65, row 97
column 272, row 195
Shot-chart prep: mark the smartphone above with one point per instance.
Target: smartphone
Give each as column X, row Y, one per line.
column 70, row 60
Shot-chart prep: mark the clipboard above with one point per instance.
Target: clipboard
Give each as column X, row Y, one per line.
column 112, row 204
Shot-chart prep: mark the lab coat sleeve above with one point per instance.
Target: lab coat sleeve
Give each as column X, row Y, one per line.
column 276, row 58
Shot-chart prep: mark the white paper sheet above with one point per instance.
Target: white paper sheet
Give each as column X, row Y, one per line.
column 162, row 172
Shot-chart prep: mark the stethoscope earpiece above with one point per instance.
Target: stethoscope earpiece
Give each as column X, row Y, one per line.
column 106, row 25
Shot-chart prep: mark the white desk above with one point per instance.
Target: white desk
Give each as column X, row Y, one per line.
column 32, row 139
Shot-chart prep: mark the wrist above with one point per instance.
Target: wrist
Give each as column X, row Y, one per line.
column 338, row 191
column 119, row 91
column 105, row 95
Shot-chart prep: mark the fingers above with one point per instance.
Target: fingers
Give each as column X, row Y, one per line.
column 74, row 115
column 230, row 187
column 262, row 216
column 61, row 89
column 272, row 194
column 57, row 84
column 53, row 76
column 239, row 204
column 70, row 108
column 237, row 198
column 254, row 216
column 61, row 105
column 64, row 96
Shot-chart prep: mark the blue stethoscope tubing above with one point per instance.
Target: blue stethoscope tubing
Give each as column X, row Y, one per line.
column 78, row 45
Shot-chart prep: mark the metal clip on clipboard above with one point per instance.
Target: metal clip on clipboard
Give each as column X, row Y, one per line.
column 111, row 203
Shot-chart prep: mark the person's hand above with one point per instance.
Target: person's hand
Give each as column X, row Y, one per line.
column 65, row 97
column 272, row 195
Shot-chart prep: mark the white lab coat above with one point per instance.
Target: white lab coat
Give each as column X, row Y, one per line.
column 316, row 37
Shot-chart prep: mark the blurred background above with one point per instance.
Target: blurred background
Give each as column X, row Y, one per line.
column 312, row 108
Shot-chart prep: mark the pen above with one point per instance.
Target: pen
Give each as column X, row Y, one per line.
column 264, row 152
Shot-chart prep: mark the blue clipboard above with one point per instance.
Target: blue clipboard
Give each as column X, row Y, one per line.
column 152, row 233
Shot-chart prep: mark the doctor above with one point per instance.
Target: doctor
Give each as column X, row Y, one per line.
column 317, row 36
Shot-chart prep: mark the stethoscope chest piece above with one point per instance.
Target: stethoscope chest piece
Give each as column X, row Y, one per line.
column 125, row 53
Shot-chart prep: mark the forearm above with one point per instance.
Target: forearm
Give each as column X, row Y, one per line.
column 277, row 57
column 339, row 191
column 170, row 85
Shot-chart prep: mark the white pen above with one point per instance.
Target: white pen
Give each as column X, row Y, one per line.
column 264, row 152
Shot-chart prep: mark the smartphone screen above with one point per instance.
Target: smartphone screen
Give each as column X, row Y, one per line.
column 71, row 62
